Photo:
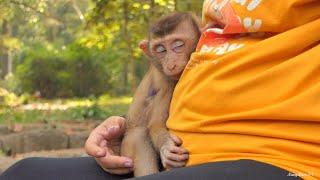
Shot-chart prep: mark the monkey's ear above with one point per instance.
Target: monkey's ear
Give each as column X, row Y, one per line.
column 144, row 47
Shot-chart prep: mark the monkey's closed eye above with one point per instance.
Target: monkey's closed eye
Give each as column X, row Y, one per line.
column 178, row 46
column 178, row 43
column 160, row 49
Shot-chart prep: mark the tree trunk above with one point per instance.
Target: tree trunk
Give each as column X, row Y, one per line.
column 151, row 13
column 78, row 11
column 6, row 56
column 130, row 59
column 152, row 10
column 5, row 63
column 176, row 5
column 189, row 6
column 125, row 73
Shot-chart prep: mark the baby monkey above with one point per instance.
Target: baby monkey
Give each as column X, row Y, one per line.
column 172, row 39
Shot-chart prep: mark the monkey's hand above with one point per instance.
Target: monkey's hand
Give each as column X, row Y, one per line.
column 172, row 155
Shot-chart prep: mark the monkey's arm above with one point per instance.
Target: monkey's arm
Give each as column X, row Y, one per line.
column 136, row 115
column 136, row 143
column 172, row 156
column 157, row 125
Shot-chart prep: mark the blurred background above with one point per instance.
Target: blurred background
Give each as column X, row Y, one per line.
column 66, row 65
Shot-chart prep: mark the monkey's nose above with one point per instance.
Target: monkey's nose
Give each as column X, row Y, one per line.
column 172, row 67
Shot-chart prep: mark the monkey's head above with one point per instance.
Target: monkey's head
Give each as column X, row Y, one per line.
column 172, row 39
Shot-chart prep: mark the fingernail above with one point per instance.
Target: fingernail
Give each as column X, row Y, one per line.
column 112, row 129
column 128, row 164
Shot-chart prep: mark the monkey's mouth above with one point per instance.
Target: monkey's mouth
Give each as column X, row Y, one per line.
column 176, row 76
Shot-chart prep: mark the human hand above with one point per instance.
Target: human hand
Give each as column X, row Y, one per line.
column 173, row 156
column 104, row 145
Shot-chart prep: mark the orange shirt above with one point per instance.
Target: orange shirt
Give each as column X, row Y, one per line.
column 252, row 89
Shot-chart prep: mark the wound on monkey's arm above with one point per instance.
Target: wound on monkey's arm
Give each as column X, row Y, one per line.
column 152, row 92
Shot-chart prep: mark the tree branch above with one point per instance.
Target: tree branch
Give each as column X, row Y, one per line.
column 19, row 3
column 78, row 11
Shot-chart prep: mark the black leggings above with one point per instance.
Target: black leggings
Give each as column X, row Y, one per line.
column 86, row 169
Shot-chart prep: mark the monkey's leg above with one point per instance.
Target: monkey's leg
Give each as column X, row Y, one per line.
column 137, row 145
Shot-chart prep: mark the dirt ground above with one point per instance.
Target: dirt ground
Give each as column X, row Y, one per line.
column 76, row 132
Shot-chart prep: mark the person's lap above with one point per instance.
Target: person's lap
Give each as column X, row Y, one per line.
column 56, row 169
column 86, row 168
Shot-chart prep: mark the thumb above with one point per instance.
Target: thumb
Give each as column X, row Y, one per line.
column 115, row 129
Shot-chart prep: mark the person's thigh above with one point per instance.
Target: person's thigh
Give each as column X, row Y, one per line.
column 84, row 168
column 226, row 170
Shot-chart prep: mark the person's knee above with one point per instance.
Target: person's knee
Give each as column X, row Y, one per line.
column 24, row 163
column 20, row 167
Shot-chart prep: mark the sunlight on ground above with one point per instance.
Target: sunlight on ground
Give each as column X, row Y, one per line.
column 73, row 103
column 66, row 109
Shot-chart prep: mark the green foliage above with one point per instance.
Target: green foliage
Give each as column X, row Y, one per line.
column 124, row 23
column 2, row 153
column 69, row 48
column 37, row 70
column 88, row 70
column 75, row 48
column 10, row 83
column 73, row 71
column 9, row 99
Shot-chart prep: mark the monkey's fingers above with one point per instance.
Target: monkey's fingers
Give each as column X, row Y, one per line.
column 177, row 157
column 168, row 164
column 176, row 139
column 115, row 162
column 178, row 150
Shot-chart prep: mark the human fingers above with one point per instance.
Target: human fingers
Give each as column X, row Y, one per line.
column 120, row 171
column 115, row 162
column 93, row 145
column 113, row 127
